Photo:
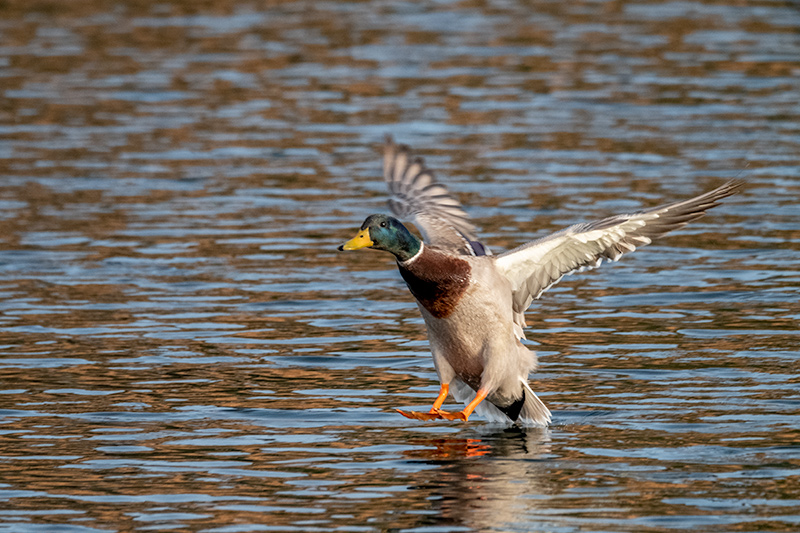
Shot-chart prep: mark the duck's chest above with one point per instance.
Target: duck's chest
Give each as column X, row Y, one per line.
column 438, row 281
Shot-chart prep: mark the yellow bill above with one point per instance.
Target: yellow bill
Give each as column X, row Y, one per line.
column 361, row 240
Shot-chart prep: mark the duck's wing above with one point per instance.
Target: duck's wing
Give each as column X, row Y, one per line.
column 535, row 267
column 418, row 197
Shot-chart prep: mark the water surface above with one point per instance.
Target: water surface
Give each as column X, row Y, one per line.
column 182, row 348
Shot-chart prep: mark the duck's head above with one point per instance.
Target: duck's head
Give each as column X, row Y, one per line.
column 382, row 232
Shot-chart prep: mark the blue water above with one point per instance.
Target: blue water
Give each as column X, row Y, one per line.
column 182, row 348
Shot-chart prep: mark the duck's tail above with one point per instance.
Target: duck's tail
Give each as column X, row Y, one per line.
column 534, row 412
column 527, row 411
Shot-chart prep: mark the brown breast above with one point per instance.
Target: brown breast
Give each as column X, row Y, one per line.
column 437, row 280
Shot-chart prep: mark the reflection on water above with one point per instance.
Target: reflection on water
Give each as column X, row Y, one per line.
column 184, row 349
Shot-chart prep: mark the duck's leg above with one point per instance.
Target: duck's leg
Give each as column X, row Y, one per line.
column 434, row 413
column 464, row 415
column 443, row 392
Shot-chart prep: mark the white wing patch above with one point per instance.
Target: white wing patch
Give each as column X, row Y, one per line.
column 535, row 267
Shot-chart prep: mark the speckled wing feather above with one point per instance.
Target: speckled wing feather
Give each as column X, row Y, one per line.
column 535, row 267
column 418, row 197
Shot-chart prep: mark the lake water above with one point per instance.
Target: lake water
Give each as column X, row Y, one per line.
column 182, row 348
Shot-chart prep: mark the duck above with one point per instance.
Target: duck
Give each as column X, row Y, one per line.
column 473, row 302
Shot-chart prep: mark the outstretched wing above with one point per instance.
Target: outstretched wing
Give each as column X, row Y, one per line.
column 418, row 197
column 535, row 267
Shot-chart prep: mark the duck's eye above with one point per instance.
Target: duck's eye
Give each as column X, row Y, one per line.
column 383, row 224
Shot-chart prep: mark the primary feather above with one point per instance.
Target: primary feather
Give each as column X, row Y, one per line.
column 536, row 266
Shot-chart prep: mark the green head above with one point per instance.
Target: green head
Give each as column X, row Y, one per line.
column 382, row 232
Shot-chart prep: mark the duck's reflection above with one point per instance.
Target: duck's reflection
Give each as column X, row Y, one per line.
column 486, row 479
column 510, row 443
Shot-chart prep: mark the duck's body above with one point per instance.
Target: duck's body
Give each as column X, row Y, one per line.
column 473, row 303
column 467, row 308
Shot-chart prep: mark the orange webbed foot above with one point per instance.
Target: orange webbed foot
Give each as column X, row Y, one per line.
column 416, row 415
column 452, row 416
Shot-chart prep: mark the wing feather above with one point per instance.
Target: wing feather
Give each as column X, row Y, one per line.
column 417, row 196
column 535, row 267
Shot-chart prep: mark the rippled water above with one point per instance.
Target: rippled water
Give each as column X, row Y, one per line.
column 183, row 348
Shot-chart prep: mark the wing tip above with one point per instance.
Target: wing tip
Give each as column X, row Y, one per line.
column 729, row 188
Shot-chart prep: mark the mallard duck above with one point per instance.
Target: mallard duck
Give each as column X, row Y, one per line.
column 473, row 302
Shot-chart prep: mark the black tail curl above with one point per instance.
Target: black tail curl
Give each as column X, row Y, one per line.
column 513, row 410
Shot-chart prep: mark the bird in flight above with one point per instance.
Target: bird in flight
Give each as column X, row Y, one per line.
column 473, row 302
